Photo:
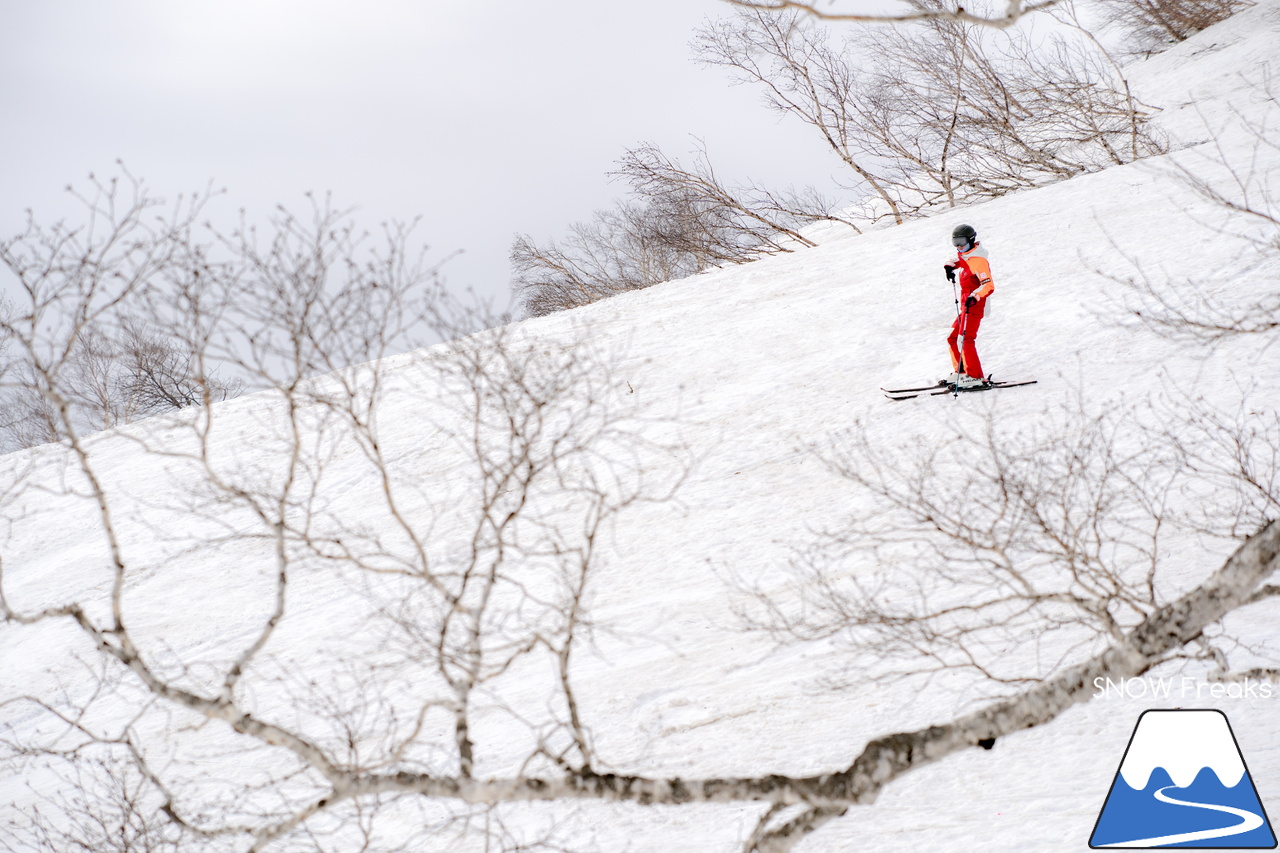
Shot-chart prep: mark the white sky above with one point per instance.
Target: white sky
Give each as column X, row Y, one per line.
column 485, row 118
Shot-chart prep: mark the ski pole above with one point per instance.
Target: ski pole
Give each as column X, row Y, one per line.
column 955, row 293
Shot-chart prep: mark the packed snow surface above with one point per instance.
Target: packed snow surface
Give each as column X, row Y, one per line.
column 753, row 374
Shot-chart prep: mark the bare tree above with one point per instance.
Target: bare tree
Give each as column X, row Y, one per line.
column 1230, row 179
column 1018, row 568
column 159, row 376
column 679, row 221
column 108, row 381
column 629, row 247
column 1153, row 25
column 67, row 347
column 1014, row 11
column 378, row 752
column 1047, row 548
column 940, row 113
column 935, row 113
column 1001, row 114
column 803, row 76
column 110, row 807
column 457, row 585
column 727, row 224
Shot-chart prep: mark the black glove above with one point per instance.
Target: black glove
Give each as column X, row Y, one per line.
column 970, row 302
column 951, row 272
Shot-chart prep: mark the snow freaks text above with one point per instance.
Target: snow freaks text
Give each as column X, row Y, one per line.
column 1184, row 687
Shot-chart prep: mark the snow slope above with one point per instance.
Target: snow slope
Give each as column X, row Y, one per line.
column 756, row 364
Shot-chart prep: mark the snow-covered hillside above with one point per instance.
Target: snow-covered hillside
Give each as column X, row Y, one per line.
column 742, row 384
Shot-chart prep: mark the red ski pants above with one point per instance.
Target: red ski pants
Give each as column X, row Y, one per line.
column 964, row 341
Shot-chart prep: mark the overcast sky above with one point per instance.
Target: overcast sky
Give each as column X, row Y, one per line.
column 486, row 118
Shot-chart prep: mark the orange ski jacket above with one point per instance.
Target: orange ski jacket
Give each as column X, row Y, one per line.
column 974, row 273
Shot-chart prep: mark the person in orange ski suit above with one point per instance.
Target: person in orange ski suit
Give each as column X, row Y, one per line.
column 972, row 271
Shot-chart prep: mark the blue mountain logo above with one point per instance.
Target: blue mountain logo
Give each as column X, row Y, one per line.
column 1183, row 783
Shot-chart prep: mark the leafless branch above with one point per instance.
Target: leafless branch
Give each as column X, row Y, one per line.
column 1197, row 311
column 1014, row 11
column 940, row 112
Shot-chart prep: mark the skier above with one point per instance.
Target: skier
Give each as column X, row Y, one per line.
column 970, row 270
column 974, row 273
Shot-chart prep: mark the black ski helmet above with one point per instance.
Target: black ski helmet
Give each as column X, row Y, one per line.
column 966, row 233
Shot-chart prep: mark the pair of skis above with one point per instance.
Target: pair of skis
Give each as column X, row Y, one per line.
column 944, row 387
column 952, row 388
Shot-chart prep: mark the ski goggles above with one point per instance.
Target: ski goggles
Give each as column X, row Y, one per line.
column 959, row 241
